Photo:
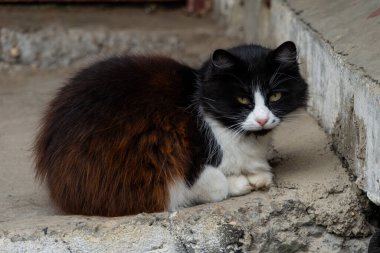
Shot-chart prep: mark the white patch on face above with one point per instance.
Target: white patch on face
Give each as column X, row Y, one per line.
column 261, row 117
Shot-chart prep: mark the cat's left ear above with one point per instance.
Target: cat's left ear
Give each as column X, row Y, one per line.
column 222, row 59
column 286, row 53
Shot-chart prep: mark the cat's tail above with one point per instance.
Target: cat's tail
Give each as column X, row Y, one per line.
column 374, row 243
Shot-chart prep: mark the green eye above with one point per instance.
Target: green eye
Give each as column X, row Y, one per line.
column 243, row 100
column 275, row 97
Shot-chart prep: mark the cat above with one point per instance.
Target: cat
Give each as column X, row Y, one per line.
column 134, row 134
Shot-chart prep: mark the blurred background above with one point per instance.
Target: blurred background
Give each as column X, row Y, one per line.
column 51, row 34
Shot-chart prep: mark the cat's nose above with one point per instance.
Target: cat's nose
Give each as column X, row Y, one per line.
column 262, row 121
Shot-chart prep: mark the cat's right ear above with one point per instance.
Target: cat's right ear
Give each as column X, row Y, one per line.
column 222, row 59
column 286, row 53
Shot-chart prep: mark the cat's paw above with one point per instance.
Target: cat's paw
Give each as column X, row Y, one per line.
column 238, row 185
column 218, row 190
column 212, row 186
column 260, row 180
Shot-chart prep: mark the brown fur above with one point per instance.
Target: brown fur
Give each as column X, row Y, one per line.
column 118, row 135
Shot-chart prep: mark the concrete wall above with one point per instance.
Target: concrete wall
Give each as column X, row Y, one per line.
column 340, row 60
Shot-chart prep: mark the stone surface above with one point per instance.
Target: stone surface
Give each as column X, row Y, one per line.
column 338, row 46
column 60, row 37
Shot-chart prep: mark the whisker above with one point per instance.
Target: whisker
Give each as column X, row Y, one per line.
column 272, row 79
column 209, row 99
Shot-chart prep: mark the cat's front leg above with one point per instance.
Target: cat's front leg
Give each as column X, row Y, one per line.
column 211, row 186
column 238, row 185
column 259, row 175
column 260, row 180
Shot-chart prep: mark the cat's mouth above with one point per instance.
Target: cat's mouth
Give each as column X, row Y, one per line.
column 260, row 132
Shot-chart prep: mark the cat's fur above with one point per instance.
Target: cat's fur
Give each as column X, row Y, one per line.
column 145, row 133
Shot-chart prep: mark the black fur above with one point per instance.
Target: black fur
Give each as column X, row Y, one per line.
column 240, row 71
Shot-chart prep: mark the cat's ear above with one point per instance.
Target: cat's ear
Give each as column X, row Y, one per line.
column 286, row 53
column 222, row 59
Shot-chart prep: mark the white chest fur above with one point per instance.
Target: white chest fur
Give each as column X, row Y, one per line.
column 244, row 167
column 241, row 154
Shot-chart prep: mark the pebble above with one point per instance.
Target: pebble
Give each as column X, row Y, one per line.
column 15, row 52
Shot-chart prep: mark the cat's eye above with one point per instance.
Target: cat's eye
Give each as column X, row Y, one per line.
column 275, row 97
column 243, row 100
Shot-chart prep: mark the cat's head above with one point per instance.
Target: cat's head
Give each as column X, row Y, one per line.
column 251, row 88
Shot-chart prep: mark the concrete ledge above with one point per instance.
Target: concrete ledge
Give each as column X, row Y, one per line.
column 339, row 55
column 61, row 37
column 257, row 223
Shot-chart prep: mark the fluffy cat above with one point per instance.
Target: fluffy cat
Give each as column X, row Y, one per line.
column 146, row 134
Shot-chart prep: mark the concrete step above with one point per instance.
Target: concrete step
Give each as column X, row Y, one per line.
column 313, row 207
column 51, row 37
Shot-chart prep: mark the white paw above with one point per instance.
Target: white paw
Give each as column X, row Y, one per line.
column 238, row 185
column 260, row 180
column 257, row 167
column 212, row 186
